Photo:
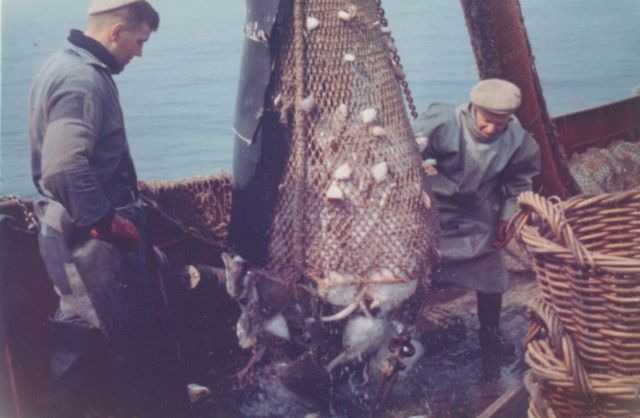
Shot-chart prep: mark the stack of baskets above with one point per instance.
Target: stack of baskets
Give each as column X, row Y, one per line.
column 583, row 346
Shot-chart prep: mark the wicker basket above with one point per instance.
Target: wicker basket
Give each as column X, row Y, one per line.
column 584, row 342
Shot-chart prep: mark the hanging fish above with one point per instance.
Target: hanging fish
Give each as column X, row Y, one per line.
column 328, row 180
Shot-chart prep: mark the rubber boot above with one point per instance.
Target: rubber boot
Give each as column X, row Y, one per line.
column 81, row 380
column 491, row 340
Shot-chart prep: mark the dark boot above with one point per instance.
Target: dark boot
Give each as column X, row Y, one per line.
column 491, row 340
column 81, row 380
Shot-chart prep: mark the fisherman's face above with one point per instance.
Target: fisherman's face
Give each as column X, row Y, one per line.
column 490, row 124
column 129, row 42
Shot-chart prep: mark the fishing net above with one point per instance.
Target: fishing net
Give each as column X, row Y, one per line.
column 188, row 219
column 605, row 170
column 200, row 205
column 353, row 199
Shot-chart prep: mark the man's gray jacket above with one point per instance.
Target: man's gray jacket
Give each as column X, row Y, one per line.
column 80, row 155
column 477, row 185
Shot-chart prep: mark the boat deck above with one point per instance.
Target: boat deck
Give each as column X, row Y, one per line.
column 452, row 379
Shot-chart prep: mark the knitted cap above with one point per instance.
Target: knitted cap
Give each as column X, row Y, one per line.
column 496, row 96
column 99, row 6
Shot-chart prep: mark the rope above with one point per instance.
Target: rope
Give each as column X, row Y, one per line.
column 300, row 130
column 29, row 218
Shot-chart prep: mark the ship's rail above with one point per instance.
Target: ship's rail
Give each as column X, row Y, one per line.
column 599, row 126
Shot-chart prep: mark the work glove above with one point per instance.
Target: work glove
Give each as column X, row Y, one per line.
column 120, row 231
column 504, row 234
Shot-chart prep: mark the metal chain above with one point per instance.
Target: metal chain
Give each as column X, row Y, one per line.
column 396, row 60
column 29, row 217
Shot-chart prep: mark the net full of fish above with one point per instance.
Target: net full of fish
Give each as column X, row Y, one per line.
column 350, row 232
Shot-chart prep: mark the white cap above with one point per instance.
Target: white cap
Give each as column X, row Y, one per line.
column 496, row 96
column 99, row 6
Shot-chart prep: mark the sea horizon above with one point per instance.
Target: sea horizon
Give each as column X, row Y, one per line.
column 179, row 98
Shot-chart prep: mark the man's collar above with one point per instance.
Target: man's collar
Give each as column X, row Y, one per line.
column 468, row 113
column 96, row 51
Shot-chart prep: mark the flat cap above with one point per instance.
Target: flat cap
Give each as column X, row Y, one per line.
column 496, row 96
column 99, row 6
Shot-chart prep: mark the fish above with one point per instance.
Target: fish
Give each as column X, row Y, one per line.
column 261, row 301
column 328, row 204
column 362, row 337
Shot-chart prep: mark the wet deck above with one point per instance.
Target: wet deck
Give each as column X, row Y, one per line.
column 452, row 379
column 458, row 381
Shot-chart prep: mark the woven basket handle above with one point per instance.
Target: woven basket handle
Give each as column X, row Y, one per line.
column 562, row 344
column 529, row 204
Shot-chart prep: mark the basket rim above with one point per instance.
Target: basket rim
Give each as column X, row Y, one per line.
column 566, row 247
column 537, row 244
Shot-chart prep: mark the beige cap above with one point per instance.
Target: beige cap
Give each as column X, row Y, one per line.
column 496, row 96
column 99, row 6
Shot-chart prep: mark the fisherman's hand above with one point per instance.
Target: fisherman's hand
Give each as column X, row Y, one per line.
column 504, row 234
column 120, row 230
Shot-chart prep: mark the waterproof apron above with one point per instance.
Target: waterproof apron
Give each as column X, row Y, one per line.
column 117, row 291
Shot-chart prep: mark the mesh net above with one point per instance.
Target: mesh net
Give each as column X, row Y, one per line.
column 606, row 170
column 201, row 205
column 353, row 199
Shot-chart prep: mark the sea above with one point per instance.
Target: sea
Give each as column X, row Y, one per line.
column 179, row 98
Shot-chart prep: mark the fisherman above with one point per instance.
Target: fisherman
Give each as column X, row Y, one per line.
column 484, row 159
column 110, row 345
